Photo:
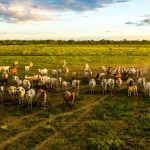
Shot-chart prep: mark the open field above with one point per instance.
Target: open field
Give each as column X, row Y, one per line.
column 112, row 121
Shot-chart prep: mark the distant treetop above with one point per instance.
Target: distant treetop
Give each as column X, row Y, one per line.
column 103, row 41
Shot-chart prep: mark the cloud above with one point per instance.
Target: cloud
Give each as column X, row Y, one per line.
column 129, row 23
column 123, row 1
column 143, row 22
column 147, row 21
column 37, row 10
column 18, row 11
column 107, row 31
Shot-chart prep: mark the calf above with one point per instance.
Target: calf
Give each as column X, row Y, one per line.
column 132, row 90
column 41, row 98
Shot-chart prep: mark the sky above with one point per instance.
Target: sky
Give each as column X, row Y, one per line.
column 75, row 19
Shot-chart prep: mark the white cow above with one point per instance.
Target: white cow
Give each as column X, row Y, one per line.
column 87, row 74
column 4, row 75
column 147, row 89
column 76, row 86
column 17, row 81
column 104, row 85
column 56, row 83
column 64, row 63
column 43, row 71
column 87, row 68
column 66, row 71
column 102, row 69
column 141, row 83
column 30, row 95
column 5, row 69
column 110, row 84
column 20, row 93
column 132, row 72
column 56, row 73
column 12, row 93
column 33, row 79
column 130, row 82
column 45, row 80
column 30, row 65
column 118, row 82
column 65, row 85
column 26, row 84
column 27, row 68
column 92, row 84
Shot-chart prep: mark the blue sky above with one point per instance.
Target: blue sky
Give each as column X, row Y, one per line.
column 75, row 19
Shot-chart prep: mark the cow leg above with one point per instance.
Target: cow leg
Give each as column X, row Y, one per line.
column 28, row 105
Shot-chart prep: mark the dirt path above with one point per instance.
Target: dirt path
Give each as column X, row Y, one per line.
column 87, row 107
column 16, row 120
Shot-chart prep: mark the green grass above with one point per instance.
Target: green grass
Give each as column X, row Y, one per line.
column 93, row 123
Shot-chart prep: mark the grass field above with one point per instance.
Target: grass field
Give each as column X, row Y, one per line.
column 96, row 122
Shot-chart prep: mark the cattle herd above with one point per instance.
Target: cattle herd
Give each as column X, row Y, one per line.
column 36, row 87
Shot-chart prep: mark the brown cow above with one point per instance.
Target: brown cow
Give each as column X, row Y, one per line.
column 13, row 70
column 69, row 97
column 41, row 98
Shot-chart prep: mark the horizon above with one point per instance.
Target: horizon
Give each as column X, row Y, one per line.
column 74, row 20
column 76, row 40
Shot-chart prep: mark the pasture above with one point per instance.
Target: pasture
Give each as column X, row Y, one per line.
column 96, row 121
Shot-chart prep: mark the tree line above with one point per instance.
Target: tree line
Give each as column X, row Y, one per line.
column 103, row 41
